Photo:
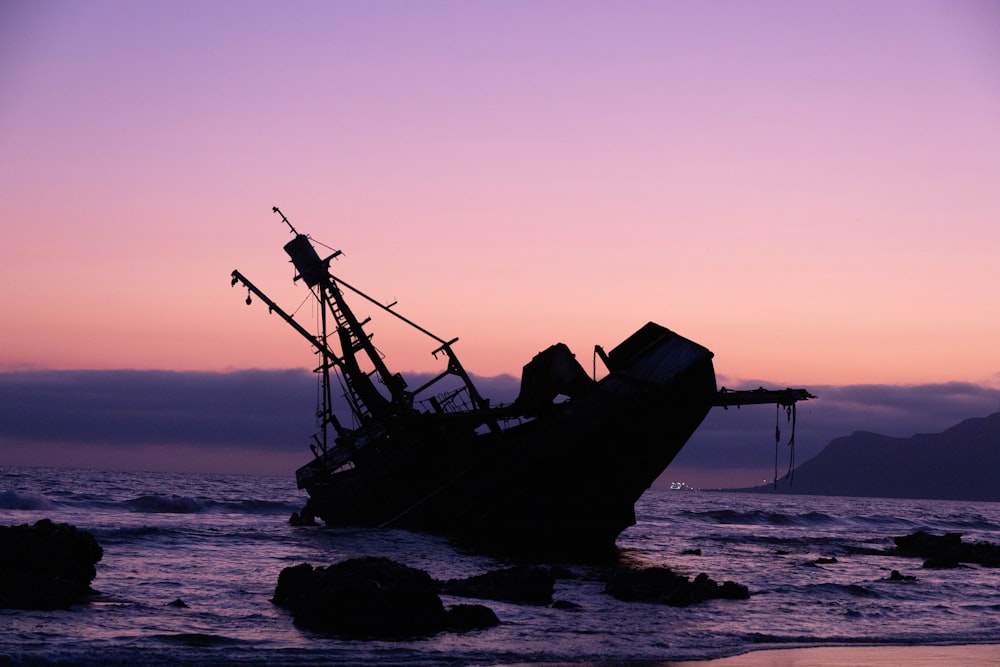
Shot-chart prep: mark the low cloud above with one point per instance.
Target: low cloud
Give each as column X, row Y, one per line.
column 242, row 421
column 261, row 420
column 253, row 409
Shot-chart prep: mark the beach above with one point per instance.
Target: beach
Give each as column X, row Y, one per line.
column 967, row 655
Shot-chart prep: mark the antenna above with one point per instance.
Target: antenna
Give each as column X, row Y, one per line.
column 284, row 219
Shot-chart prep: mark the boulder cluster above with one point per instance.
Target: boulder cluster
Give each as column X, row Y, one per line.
column 664, row 586
column 522, row 584
column 46, row 565
column 51, row 566
column 379, row 598
column 372, row 598
column 946, row 551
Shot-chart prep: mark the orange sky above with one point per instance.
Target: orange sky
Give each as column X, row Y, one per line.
column 808, row 189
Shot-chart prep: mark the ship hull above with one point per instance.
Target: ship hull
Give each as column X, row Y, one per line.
column 564, row 483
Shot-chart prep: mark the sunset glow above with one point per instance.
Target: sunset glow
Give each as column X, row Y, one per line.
column 808, row 189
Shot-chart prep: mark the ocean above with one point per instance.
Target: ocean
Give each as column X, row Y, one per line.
column 218, row 543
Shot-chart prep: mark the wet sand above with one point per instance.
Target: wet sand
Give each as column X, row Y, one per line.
column 975, row 655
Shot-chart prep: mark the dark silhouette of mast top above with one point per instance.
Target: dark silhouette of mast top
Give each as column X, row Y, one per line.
column 347, row 347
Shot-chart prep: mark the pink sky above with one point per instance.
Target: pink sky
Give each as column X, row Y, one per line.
column 810, row 189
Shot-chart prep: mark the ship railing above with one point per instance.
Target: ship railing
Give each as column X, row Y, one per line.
column 450, row 402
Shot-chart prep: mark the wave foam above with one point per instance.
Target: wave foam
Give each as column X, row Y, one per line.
column 23, row 500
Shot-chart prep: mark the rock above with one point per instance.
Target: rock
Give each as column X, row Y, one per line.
column 361, row 598
column 465, row 617
column 896, row 576
column 304, row 519
column 566, row 605
column 46, row 566
column 562, row 572
column 365, row 598
column 927, row 545
column 522, row 584
column 825, row 561
column 946, row 551
column 663, row 586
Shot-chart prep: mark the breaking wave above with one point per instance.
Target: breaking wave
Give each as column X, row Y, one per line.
column 21, row 500
column 176, row 504
column 765, row 518
column 166, row 505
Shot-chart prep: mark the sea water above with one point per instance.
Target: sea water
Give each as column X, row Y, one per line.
column 218, row 542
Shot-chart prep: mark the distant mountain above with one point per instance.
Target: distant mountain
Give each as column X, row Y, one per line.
column 962, row 463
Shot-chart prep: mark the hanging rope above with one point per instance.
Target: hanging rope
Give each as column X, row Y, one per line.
column 777, row 441
column 790, row 415
column 791, row 445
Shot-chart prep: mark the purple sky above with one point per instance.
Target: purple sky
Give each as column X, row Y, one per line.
column 809, row 189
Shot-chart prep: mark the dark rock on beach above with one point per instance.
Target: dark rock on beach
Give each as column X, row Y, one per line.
column 465, row 617
column 566, row 605
column 372, row 598
column 946, row 551
column 522, row 584
column 304, row 519
column 662, row 585
column 378, row 598
column 46, row 566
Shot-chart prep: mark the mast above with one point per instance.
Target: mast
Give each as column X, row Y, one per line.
column 326, row 415
column 330, row 359
column 351, row 345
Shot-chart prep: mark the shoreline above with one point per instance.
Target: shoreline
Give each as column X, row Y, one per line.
column 840, row 655
column 876, row 655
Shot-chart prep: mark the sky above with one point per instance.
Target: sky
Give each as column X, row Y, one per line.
column 810, row 190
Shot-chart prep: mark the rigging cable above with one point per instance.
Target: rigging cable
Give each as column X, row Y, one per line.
column 790, row 415
column 777, row 440
column 791, row 446
column 321, row 243
column 299, row 307
column 354, row 410
column 319, row 399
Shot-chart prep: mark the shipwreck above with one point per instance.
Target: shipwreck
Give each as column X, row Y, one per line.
column 558, row 470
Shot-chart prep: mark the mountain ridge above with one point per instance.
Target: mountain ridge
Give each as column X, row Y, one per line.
column 960, row 463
